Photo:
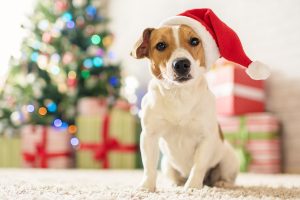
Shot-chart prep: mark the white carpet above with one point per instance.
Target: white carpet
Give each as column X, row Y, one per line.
column 102, row 185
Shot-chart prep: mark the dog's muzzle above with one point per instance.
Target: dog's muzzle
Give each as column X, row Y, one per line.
column 182, row 68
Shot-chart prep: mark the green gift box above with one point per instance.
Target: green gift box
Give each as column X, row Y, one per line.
column 108, row 140
column 10, row 152
column 256, row 140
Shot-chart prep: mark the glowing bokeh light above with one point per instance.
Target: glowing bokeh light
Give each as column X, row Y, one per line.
column 70, row 24
column 96, row 39
column 42, row 111
column 30, row 108
column 85, row 74
column 72, row 129
column 34, row 56
column 114, row 81
column 74, row 141
column 88, row 63
column 55, row 70
column 52, row 107
column 72, row 74
column 64, row 125
column 57, row 123
column 91, row 10
column 67, row 16
column 97, row 61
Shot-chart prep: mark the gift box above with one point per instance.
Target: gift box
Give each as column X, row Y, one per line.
column 256, row 140
column 10, row 151
column 108, row 141
column 92, row 106
column 46, row 147
column 236, row 93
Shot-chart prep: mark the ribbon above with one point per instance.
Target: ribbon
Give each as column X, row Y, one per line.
column 102, row 150
column 41, row 153
column 242, row 137
column 239, row 141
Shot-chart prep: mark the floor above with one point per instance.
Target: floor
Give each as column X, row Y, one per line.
column 104, row 185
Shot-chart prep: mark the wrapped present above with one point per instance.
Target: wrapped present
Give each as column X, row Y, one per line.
column 10, row 151
column 256, row 140
column 92, row 106
column 46, row 147
column 108, row 141
column 236, row 93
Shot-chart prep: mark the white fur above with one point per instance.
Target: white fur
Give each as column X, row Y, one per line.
column 175, row 30
column 209, row 44
column 258, row 71
column 180, row 119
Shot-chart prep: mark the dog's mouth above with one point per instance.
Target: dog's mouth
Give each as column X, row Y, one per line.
column 183, row 78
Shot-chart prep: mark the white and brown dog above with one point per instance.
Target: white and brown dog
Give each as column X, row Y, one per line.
column 178, row 112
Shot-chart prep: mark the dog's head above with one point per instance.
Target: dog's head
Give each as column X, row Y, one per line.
column 176, row 53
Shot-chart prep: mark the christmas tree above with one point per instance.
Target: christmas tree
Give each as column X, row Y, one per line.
column 64, row 58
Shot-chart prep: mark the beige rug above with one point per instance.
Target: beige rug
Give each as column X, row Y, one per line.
column 102, row 185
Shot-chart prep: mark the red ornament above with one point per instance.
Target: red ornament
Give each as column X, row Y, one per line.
column 72, row 83
column 47, row 37
column 61, row 5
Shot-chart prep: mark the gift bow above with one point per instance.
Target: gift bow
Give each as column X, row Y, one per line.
column 40, row 151
column 109, row 144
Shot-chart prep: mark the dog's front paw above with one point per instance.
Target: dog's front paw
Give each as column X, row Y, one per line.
column 192, row 185
column 147, row 185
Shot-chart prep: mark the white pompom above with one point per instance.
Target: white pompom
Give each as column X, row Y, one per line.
column 258, row 71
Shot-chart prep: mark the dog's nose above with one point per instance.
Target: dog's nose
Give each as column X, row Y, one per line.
column 182, row 66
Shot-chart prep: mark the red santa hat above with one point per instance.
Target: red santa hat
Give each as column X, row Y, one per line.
column 218, row 40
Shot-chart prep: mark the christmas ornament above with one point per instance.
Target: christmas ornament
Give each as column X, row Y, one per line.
column 80, row 21
column 61, row 5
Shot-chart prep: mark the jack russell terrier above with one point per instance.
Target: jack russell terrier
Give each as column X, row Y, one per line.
column 178, row 111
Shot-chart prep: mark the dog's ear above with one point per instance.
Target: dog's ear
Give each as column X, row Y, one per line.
column 141, row 47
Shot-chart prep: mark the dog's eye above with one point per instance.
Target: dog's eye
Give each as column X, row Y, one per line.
column 194, row 41
column 161, row 46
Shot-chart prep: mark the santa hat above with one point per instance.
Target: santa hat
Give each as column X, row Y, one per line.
column 218, row 40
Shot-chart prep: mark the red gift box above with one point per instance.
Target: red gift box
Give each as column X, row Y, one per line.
column 236, row 93
column 46, row 147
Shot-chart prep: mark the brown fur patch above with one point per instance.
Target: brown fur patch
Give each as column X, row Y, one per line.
column 221, row 135
column 160, row 58
column 185, row 34
column 143, row 47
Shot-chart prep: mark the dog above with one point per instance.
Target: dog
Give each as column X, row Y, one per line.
column 178, row 114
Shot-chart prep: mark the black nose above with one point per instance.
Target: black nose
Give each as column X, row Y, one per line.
column 182, row 66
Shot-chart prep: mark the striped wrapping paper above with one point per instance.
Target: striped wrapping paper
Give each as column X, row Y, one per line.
column 256, row 138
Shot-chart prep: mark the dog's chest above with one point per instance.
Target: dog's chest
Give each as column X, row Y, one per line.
column 179, row 145
column 182, row 110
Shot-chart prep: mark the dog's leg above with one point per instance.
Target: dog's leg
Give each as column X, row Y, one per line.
column 172, row 173
column 229, row 165
column 150, row 155
column 202, row 160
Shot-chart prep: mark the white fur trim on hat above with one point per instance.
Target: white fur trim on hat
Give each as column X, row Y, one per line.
column 258, row 71
column 211, row 49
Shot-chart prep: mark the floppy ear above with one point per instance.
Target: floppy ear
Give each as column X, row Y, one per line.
column 141, row 47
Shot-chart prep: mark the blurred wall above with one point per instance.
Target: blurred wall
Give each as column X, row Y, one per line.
column 268, row 29
column 12, row 16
